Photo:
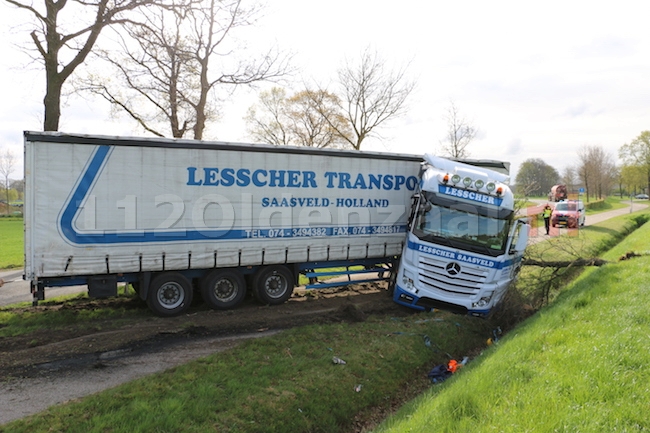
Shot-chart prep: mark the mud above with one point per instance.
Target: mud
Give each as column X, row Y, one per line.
column 52, row 366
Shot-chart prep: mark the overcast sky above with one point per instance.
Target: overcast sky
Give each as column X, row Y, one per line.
column 538, row 79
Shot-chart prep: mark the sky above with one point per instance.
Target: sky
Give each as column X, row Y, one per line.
column 537, row 79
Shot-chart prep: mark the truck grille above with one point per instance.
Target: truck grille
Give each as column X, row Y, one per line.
column 465, row 283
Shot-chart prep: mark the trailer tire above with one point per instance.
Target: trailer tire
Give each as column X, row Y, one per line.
column 273, row 285
column 170, row 294
column 223, row 289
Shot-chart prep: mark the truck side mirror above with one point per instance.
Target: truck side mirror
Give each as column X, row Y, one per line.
column 522, row 240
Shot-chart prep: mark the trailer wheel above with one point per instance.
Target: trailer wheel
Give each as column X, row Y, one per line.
column 170, row 294
column 273, row 285
column 223, row 289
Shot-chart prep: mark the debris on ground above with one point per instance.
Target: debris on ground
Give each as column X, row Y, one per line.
column 442, row 372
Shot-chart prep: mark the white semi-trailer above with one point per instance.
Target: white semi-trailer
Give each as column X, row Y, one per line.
column 168, row 216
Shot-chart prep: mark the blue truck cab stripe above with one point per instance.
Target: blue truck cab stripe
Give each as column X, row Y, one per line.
column 440, row 251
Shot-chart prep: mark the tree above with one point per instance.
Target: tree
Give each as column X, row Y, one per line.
column 596, row 170
column 312, row 115
column 570, row 178
column 297, row 120
column 7, row 163
column 267, row 121
column 633, row 178
column 371, row 95
column 174, row 61
column 55, row 41
column 536, row 177
column 460, row 133
column 18, row 186
column 637, row 153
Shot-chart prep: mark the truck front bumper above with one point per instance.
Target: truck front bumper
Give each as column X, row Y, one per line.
column 410, row 300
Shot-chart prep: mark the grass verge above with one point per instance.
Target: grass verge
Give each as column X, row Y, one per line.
column 581, row 364
column 11, row 239
column 537, row 286
column 609, row 203
column 65, row 311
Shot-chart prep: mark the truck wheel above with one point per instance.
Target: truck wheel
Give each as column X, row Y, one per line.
column 170, row 294
column 273, row 285
column 223, row 289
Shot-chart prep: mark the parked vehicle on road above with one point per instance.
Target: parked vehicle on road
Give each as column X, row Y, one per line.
column 558, row 193
column 642, row 197
column 568, row 213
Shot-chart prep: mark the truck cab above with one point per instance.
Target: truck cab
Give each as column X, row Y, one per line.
column 464, row 245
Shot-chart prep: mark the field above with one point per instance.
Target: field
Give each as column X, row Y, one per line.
column 11, row 242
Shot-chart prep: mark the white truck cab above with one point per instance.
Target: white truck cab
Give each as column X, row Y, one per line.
column 464, row 246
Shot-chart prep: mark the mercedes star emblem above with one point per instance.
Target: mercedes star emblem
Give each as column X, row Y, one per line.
column 453, row 268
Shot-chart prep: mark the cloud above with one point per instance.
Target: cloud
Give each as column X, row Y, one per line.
column 515, row 147
column 607, row 46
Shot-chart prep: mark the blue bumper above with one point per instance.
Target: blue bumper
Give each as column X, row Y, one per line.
column 407, row 299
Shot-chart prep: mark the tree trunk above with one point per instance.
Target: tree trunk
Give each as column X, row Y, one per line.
column 199, row 126
column 565, row 263
column 52, row 102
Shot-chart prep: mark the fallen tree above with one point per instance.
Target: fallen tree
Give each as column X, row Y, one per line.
column 594, row 261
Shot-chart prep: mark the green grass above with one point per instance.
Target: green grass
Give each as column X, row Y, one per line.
column 284, row 383
column 11, row 242
column 582, row 364
column 610, row 203
column 55, row 313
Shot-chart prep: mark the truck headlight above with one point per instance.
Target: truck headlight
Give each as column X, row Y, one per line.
column 484, row 301
column 407, row 280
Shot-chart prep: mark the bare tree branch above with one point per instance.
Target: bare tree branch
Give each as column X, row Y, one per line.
column 53, row 45
column 176, row 59
column 370, row 97
column 460, row 133
column 594, row 261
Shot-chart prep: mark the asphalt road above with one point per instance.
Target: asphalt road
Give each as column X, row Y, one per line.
column 13, row 289
column 538, row 234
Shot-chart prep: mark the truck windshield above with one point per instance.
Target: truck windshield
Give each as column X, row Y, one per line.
column 461, row 228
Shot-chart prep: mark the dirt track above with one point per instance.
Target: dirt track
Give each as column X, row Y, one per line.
column 51, row 367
